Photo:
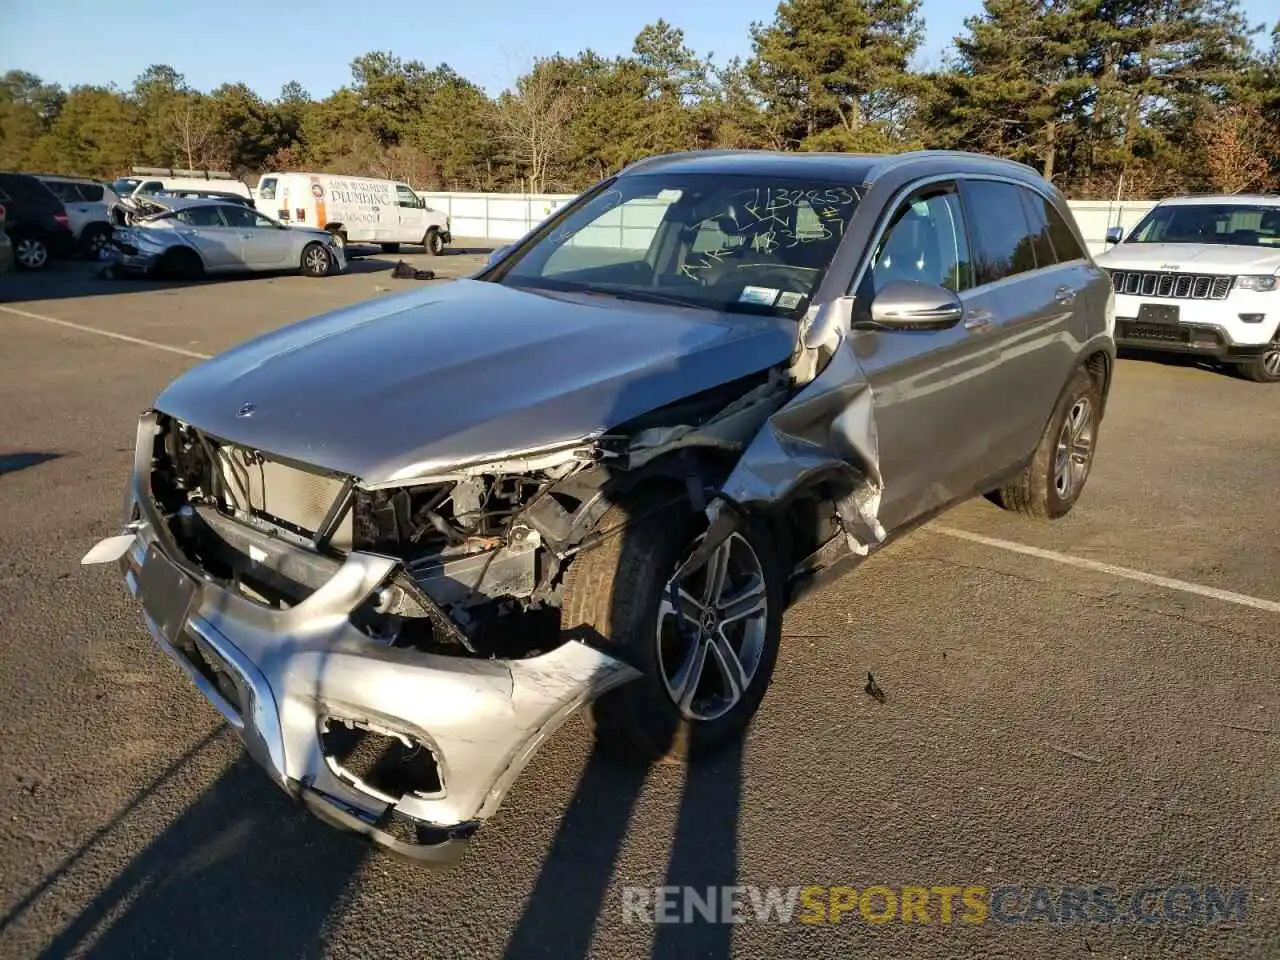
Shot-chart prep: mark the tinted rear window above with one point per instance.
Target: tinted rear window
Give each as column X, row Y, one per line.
column 92, row 192
column 1038, row 228
column 1003, row 244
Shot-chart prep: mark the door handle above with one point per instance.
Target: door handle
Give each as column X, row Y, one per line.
column 1064, row 295
column 246, row 236
column 978, row 319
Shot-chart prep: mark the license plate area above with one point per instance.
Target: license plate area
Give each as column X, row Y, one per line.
column 167, row 593
column 1158, row 313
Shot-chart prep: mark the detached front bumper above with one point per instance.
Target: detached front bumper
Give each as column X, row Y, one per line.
column 287, row 679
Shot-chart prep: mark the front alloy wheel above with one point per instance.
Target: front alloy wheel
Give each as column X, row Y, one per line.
column 704, row 646
column 711, row 632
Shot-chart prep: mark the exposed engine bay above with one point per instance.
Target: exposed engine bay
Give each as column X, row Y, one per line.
column 483, row 550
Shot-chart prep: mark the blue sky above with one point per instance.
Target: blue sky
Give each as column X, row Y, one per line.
column 266, row 44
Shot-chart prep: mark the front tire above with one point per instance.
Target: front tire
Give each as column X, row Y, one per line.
column 1052, row 482
column 433, row 243
column 705, row 666
column 316, row 261
column 1266, row 368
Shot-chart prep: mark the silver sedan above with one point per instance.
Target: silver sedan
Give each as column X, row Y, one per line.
column 191, row 238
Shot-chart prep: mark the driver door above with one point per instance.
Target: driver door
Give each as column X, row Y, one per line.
column 264, row 244
column 412, row 215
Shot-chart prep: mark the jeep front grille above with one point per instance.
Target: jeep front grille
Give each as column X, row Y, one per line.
column 1175, row 286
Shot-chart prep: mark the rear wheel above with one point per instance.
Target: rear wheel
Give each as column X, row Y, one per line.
column 705, row 646
column 316, row 261
column 93, row 240
column 1052, row 482
column 433, row 243
column 181, row 264
column 1266, row 368
column 391, row 248
column 30, row 252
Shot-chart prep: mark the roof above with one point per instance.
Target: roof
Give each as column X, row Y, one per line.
column 843, row 167
column 1228, row 199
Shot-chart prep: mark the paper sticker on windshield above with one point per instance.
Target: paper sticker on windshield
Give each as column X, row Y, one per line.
column 789, row 301
column 764, row 296
column 670, row 196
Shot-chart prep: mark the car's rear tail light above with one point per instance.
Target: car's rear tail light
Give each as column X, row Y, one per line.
column 61, row 220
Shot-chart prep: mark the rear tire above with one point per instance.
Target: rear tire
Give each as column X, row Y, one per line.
column 433, row 243
column 30, row 252
column 316, row 261
column 617, row 598
column 1266, row 368
column 181, row 264
column 93, row 239
column 390, row 248
column 1052, row 482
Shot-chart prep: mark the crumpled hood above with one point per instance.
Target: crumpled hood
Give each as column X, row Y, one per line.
column 461, row 372
column 1187, row 257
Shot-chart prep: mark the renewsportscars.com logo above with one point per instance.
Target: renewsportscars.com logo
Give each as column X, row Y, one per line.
column 1178, row 903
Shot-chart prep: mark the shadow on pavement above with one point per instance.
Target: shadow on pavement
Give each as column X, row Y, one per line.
column 234, row 875
column 13, row 462
column 569, row 896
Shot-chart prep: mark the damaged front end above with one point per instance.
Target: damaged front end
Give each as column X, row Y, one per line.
column 391, row 653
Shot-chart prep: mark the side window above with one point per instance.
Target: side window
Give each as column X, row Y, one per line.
column 66, row 192
column 200, row 217
column 1065, row 245
column 926, row 241
column 150, row 187
column 267, row 189
column 1037, row 228
column 1003, row 245
column 407, row 198
column 238, row 217
column 92, row 192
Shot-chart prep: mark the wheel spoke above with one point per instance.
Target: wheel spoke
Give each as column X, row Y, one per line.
column 743, row 603
column 717, row 567
column 729, row 666
column 691, row 608
column 684, row 686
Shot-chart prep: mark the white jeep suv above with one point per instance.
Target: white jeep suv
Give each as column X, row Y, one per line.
column 1202, row 275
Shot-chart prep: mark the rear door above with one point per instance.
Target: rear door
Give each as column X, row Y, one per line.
column 1032, row 297
column 928, row 386
column 413, row 215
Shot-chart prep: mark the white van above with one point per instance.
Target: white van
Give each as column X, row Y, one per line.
column 357, row 209
column 146, row 181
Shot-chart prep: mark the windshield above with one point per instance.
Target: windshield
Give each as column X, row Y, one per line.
column 124, row 186
column 729, row 243
column 1235, row 224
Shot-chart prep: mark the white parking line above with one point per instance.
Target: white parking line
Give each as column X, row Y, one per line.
column 1126, row 573
column 107, row 333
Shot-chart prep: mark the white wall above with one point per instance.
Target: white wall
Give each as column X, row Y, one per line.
column 509, row 216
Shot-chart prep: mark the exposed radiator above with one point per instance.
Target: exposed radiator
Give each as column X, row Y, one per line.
column 281, row 493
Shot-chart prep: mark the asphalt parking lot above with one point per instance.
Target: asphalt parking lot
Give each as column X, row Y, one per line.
column 1056, row 714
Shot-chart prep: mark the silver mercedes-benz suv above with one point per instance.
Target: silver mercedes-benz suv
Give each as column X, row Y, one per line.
column 398, row 544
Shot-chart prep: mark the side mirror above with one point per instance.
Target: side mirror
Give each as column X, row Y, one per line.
column 911, row 305
column 497, row 255
column 1114, row 234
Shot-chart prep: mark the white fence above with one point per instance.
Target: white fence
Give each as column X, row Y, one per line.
column 509, row 216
